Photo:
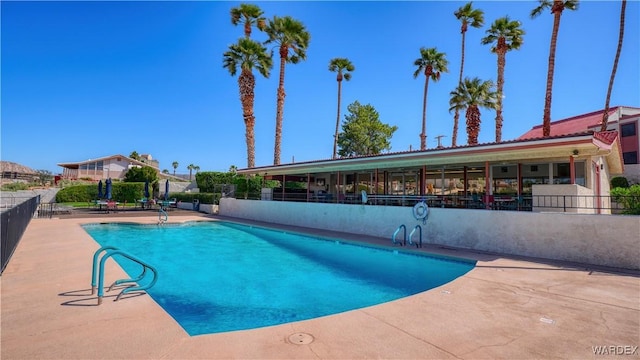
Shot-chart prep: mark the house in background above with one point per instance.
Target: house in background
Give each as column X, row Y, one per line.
column 113, row 166
column 14, row 172
column 623, row 119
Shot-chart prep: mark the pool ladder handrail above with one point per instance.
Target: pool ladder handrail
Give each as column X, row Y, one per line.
column 162, row 220
column 110, row 251
column 404, row 239
column 418, row 244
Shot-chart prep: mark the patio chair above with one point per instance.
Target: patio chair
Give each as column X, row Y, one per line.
column 476, row 203
column 112, row 206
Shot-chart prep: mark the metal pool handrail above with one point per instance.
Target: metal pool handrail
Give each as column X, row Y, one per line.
column 404, row 240
column 111, row 251
column 419, row 244
column 162, row 220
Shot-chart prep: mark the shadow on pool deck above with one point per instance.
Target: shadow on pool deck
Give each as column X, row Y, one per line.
column 506, row 307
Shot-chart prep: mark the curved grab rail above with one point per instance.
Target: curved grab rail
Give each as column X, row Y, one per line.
column 419, row 244
column 404, row 240
column 161, row 213
column 95, row 264
column 144, row 265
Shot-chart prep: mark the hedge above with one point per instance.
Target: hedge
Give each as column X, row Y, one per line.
column 120, row 191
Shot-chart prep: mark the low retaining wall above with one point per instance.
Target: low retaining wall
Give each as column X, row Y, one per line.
column 205, row 208
column 606, row 240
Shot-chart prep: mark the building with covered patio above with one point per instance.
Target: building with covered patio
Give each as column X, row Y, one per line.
column 538, row 174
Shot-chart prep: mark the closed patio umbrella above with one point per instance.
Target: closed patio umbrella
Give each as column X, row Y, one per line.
column 107, row 192
column 100, row 189
column 166, row 190
column 146, row 189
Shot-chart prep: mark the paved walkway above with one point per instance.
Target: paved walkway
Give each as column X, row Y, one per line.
column 509, row 308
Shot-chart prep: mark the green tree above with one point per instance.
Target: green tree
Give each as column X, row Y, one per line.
column 504, row 35
column 467, row 16
column 248, row 15
column 247, row 55
column 556, row 6
column 175, row 166
column 137, row 174
column 471, row 95
column 431, row 63
column 343, row 67
column 292, row 40
column 134, row 155
column 44, row 176
column 233, row 169
column 363, row 133
column 605, row 113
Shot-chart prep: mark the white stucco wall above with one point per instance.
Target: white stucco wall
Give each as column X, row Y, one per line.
column 607, row 240
column 570, row 198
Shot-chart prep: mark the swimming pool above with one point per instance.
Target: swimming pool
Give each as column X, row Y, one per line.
column 221, row 276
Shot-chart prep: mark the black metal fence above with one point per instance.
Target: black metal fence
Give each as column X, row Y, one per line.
column 560, row 203
column 13, row 223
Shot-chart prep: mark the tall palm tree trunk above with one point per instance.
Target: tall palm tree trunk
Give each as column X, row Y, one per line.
column 246, row 83
column 605, row 114
column 473, row 124
column 499, row 88
column 335, row 136
column 456, row 115
column 284, row 51
column 423, row 135
column 546, row 120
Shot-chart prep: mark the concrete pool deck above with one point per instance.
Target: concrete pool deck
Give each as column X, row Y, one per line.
column 506, row 307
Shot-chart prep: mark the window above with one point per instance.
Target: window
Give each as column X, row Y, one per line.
column 630, row 157
column 628, row 130
column 562, row 173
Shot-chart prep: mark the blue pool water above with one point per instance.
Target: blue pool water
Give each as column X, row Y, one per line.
column 221, row 276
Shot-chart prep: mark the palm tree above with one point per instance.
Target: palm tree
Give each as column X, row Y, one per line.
column 468, row 16
column 431, row 63
column 292, row 39
column 343, row 67
column 175, row 166
column 190, row 167
column 504, row 35
column 248, row 14
column 556, row 6
column 605, row 114
column 470, row 95
column 247, row 55
column 196, row 168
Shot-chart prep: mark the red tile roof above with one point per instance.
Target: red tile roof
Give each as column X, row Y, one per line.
column 606, row 137
column 576, row 124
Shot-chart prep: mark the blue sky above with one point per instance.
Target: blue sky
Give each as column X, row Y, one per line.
column 83, row 80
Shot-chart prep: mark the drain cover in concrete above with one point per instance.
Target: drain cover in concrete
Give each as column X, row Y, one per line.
column 301, row 338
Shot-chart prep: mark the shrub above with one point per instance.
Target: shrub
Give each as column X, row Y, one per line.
column 628, row 197
column 619, row 182
column 15, row 186
column 204, row 198
column 145, row 173
column 207, row 180
column 129, row 192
